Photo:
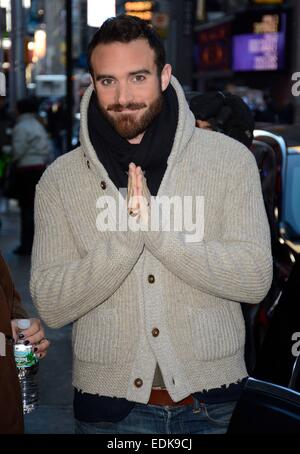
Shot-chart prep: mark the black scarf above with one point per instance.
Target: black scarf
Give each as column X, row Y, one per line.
column 115, row 153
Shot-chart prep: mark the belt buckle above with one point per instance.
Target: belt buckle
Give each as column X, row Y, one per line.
column 162, row 397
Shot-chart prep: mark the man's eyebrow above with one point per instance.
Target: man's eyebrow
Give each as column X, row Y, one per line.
column 141, row 71
column 132, row 73
column 104, row 76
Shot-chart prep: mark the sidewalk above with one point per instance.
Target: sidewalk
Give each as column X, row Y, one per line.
column 54, row 415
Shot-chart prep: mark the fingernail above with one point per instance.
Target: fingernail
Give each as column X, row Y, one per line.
column 26, row 343
column 35, row 349
column 21, row 336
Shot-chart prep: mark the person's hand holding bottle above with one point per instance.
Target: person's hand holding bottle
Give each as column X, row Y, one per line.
column 34, row 335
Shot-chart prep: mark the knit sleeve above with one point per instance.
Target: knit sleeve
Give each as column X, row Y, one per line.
column 238, row 266
column 65, row 286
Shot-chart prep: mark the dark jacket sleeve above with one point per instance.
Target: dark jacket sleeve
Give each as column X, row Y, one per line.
column 10, row 296
column 18, row 310
column 11, row 418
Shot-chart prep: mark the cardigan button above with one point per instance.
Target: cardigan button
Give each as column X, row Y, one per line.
column 151, row 279
column 155, row 332
column 138, row 382
column 103, row 185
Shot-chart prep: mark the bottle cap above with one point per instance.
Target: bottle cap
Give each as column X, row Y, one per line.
column 23, row 323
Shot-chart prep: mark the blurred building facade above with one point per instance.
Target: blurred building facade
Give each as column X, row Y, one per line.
column 55, row 13
column 197, row 34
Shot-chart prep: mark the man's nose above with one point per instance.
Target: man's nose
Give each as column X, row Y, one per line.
column 124, row 94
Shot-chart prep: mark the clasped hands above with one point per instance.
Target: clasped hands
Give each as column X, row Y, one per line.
column 138, row 195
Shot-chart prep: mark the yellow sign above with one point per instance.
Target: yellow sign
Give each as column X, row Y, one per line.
column 145, row 15
column 138, row 6
column 268, row 24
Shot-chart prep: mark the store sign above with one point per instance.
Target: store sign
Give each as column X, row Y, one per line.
column 213, row 48
column 143, row 10
column 145, row 15
column 268, row 24
column 264, row 48
column 138, row 6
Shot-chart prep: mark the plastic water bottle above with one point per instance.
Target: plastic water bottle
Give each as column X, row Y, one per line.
column 27, row 366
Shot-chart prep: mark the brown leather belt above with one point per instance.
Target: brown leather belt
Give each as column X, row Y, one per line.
column 162, row 397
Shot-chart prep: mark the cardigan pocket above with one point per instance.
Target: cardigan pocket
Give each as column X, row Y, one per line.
column 95, row 337
column 214, row 333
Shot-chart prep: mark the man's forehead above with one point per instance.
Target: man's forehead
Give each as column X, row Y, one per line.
column 132, row 55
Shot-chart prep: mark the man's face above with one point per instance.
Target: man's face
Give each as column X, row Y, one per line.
column 127, row 85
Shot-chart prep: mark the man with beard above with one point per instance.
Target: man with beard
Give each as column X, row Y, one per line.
column 158, row 334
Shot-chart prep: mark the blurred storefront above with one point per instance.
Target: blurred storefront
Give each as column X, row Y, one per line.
column 250, row 48
column 246, row 46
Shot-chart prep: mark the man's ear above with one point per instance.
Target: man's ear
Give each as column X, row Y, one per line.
column 166, row 76
column 92, row 81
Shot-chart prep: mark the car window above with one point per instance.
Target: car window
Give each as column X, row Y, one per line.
column 292, row 193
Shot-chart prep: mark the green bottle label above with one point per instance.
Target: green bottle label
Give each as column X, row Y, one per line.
column 24, row 356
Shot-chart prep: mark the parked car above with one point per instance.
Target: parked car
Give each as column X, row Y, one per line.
column 278, row 159
column 289, row 219
column 270, row 402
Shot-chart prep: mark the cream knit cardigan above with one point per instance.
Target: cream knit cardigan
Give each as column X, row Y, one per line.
column 99, row 280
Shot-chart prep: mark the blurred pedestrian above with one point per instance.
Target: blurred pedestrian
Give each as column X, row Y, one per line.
column 11, row 417
column 57, row 125
column 6, row 122
column 280, row 107
column 224, row 112
column 30, row 147
column 158, row 333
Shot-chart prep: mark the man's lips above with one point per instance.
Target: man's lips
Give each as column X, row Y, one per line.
column 125, row 109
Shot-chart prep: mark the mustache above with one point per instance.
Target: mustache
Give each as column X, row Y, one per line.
column 130, row 106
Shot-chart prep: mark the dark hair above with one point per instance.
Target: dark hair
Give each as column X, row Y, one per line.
column 27, row 105
column 125, row 29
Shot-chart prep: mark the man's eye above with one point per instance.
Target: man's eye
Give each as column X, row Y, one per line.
column 139, row 78
column 106, row 82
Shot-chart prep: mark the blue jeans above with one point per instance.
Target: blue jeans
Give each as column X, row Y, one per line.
column 198, row 418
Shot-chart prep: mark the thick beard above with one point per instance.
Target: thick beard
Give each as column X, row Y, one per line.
column 127, row 126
